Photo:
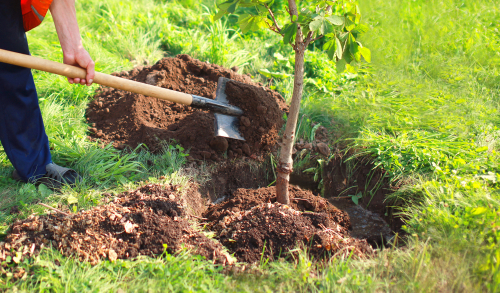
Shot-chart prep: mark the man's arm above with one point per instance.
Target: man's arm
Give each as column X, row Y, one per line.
column 64, row 14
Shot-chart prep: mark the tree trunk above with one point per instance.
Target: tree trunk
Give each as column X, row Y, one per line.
column 285, row 163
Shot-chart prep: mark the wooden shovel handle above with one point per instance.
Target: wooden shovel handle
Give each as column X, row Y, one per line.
column 100, row 78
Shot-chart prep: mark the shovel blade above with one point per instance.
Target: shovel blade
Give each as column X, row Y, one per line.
column 227, row 126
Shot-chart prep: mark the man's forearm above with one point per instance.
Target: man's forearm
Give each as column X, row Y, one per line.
column 64, row 14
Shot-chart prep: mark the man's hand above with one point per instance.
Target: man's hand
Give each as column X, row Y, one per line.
column 64, row 14
column 82, row 59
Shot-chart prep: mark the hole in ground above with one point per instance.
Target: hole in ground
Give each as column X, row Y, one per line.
column 372, row 219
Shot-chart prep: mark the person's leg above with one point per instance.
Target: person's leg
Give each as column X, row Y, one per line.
column 22, row 132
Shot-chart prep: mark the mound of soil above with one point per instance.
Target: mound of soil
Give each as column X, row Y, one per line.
column 136, row 222
column 301, row 200
column 128, row 119
column 251, row 222
column 275, row 230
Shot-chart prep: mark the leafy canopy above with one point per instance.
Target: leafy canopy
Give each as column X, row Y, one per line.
column 337, row 22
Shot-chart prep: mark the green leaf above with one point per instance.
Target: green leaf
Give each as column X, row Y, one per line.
column 360, row 29
column 72, row 200
column 335, row 20
column 349, row 24
column 269, row 74
column 330, row 48
column 339, row 51
column 341, row 63
column 289, row 32
column 315, row 25
column 478, row 211
column 219, row 14
column 247, row 23
column 320, row 24
column 366, row 53
column 44, row 190
column 225, row 5
column 353, row 48
column 232, row 7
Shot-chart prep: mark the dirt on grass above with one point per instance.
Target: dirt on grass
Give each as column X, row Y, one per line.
column 129, row 119
column 145, row 221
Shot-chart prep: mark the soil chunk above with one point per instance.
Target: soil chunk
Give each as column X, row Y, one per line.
column 125, row 118
column 219, row 144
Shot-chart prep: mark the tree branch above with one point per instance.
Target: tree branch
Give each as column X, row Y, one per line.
column 274, row 19
column 273, row 29
column 309, row 38
column 317, row 38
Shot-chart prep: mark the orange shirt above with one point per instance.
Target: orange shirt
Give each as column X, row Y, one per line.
column 34, row 12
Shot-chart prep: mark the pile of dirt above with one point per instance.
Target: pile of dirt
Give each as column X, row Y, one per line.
column 128, row 119
column 274, row 230
column 251, row 222
column 137, row 222
column 301, row 200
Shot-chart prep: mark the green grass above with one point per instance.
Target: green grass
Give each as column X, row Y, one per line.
column 426, row 111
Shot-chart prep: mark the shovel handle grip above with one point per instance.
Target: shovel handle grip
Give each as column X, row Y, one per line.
column 28, row 61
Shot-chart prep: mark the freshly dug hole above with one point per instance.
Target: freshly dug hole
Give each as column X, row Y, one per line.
column 128, row 119
column 136, row 222
column 250, row 222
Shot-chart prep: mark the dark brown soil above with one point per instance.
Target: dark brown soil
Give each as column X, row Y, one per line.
column 251, row 222
column 138, row 222
column 228, row 177
column 128, row 119
column 270, row 231
column 301, row 200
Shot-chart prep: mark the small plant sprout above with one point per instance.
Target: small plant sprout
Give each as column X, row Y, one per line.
column 336, row 21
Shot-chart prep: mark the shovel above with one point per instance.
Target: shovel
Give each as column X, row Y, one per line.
column 226, row 120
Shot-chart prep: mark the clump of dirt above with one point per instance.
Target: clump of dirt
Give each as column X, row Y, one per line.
column 274, row 230
column 128, row 119
column 301, row 200
column 137, row 222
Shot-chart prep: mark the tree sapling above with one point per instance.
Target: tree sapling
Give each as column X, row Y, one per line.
column 336, row 21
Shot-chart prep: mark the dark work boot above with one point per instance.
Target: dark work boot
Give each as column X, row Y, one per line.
column 55, row 177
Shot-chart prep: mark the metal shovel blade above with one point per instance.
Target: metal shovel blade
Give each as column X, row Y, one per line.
column 225, row 125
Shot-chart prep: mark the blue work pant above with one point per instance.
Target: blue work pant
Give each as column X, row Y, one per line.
column 22, row 132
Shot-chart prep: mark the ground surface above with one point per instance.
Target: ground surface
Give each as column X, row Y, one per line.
column 128, row 119
column 152, row 219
